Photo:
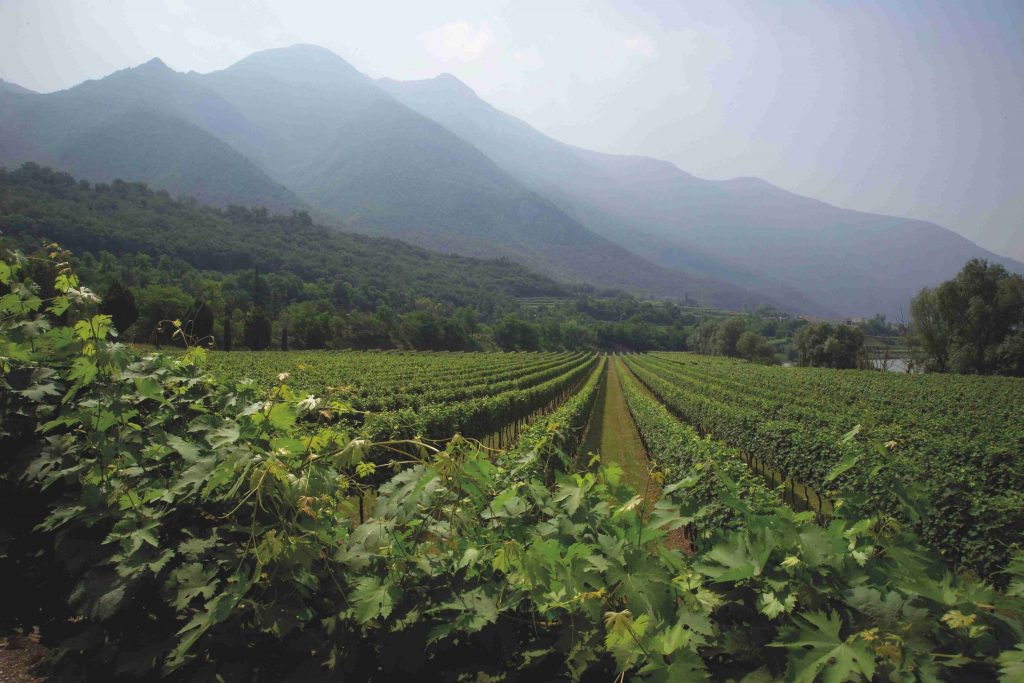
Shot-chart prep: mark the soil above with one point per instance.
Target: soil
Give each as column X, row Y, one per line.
column 19, row 656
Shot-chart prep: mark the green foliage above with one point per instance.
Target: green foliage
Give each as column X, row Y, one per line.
column 974, row 323
column 119, row 304
column 128, row 219
column 826, row 345
column 171, row 524
column 953, row 438
column 513, row 334
column 177, row 259
column 256, row 332
column 739, row 337
column 680, row 453
column 754, row 347
column 226, row 340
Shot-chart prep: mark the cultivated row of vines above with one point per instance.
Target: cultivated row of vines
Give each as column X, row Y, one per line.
column 956, row 441
column 163, row 521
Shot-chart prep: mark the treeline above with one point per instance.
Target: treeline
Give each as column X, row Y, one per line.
column 126, row 219
column 808, row 344
column 244, row 278
column 230, row 316
column 258, row 311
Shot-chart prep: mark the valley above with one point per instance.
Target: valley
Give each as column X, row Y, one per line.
column 308, row 375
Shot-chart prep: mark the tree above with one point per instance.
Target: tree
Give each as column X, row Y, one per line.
column 258, row 293
column 199, row 325
column 119, row 304
column 703, row 339
column 284, row 337
column 824, row 345
column 159, row 306
column 755, row 348
column 256, row 332
column 309, row 325
column 878, row 327
column 973, row 323
column 226, row 338
column 467, row 318
column 514, row 334
column 423, row 330
column 727, row 336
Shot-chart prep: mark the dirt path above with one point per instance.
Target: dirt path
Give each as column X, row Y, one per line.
column 613, row 434
column 19, row 656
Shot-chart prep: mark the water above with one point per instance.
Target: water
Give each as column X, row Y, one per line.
column 893, row 364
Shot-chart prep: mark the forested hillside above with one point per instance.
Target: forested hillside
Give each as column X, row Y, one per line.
column 299, row 128
column 125, row 218
column 175, row 247
column 305, row 285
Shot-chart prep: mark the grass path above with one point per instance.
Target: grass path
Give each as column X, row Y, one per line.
column 613, row 434
column 797, row 495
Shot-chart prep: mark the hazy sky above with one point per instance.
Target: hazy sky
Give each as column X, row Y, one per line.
column 907, row 107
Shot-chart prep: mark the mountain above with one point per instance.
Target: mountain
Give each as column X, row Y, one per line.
column 124, row 219
column 8, row 87
column 432, row 164
column 147, row 124
column 302, row 118
column 349, row 148
column 817, row 257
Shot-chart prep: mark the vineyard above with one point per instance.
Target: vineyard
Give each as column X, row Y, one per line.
column 957, row 440
column 451, row 516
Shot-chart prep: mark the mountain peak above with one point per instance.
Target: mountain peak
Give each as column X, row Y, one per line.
column 154, row 65
column 300, row 62
column 451, row 82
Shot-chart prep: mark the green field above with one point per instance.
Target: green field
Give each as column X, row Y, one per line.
column 499, row 516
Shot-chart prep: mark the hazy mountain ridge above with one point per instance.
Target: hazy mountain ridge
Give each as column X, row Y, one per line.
column 304, row 119
column 8, row 87
column 818, row 257
column 147, row 124
column 431, row 163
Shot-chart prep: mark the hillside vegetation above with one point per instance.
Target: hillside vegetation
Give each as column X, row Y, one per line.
column 299, row 128
column 130, row 218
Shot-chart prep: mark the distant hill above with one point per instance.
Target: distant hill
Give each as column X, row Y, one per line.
column 7, row 86
column 128, row 218
column 818, row 257
column 144, row 124
column 304, row 119
column 432, row 164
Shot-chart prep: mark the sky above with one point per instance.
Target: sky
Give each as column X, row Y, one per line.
column 906, row 107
